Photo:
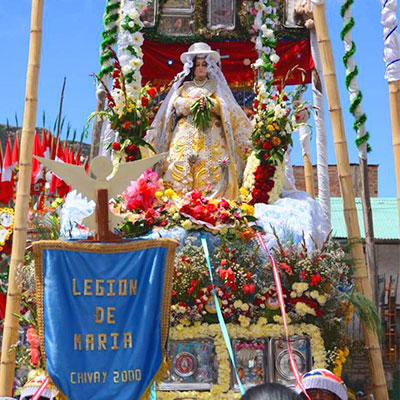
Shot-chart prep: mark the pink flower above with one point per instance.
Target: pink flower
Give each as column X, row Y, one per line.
column 32, row 337
column 35, row 357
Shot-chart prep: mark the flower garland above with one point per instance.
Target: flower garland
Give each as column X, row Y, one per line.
column 109, row 36
column 260, row 329
column 259, row 176
column 130, row 41
column 351, row 80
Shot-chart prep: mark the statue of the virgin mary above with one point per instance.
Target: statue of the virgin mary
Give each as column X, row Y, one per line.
column 210, row 159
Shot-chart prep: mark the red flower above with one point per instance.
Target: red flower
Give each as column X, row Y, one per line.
column 223, row 203
column 225, row 218
column 285, row 267
column 303, row 275
column 127, row 125
column 116, row 146
column 223, row 262
column 151, row 92
column 116, row 73
column 315, row 279
column 196, row 195
column 252, row 287
column 131, row 149
column 255, row 104
column 246, row 288
column 145, row 101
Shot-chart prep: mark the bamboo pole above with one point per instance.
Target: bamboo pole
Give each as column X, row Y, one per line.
column 394, row 96
column 309, row 176
column 349, row 207
column 21, row 208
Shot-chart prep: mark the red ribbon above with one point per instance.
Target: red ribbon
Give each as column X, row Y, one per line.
column 281, row 301
column 41, row 389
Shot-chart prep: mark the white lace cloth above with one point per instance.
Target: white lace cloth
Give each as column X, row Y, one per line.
column 293, row 215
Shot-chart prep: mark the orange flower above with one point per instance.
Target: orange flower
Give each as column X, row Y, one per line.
column 276, row 141
column 126, row 125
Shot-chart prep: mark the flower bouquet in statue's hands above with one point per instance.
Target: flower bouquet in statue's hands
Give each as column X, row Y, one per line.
column 201, row 109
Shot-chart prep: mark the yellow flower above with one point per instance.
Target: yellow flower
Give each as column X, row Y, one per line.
column 271, row 128
column 159, row 194
column 170, row 194
column 187, row 224
column 244, row 192
column 247, row 209
column 276, row 126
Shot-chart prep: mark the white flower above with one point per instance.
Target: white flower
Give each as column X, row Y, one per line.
column 131, row 24
column 274, row 58
column 266, row 50
column 259, row 6
column 137, row 62
column 279, row 111
column 133, row 14
column 268, row 33
column 137, row 39
column 259, row 63
column 125, row 69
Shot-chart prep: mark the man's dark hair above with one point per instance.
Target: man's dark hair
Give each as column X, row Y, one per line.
column 270, row 391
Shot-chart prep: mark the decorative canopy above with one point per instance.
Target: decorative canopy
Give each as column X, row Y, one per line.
column 236, row 60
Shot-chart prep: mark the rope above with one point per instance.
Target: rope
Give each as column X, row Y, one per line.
column 351, row 80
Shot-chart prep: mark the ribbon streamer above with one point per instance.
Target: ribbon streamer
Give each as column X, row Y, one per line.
column 41, row 389
column 221, row 321
column 279, row 293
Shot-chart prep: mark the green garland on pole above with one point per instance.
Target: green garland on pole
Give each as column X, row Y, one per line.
column 109, row 35
column 351, row 74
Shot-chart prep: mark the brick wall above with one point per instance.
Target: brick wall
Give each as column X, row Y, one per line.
column 334, row 181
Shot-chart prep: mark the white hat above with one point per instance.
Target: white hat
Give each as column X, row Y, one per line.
column 199, row 49
column 323, row 379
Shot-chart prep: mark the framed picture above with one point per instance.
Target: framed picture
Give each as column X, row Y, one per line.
column 221, row 14
column 250, row 358
column 193, row 365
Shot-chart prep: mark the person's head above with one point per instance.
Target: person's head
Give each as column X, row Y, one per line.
column 200, row 67
column 270, row 391
column 322, row 384
column 196, row 59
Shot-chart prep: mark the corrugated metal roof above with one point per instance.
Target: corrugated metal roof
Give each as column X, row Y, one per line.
column 384, row 214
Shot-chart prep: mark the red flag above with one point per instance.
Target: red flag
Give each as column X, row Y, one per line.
column 87, row 165
column 58, row 156
column 78, row 158
column 66, row 154
column 37, row 168
column 15, row 152
column 71, row 156
column 46, row 144
column 6, row 183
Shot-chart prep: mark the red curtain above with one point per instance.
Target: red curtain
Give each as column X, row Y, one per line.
column 162, row 62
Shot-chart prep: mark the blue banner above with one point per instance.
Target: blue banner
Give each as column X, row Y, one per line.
column 103, row 312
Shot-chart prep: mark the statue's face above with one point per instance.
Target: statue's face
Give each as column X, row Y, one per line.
column 200, row 70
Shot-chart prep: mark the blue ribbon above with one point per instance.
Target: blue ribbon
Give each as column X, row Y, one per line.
column 153, row 394
column 221, row 321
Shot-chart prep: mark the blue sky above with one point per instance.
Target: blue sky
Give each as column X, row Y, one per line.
column 71, row 39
